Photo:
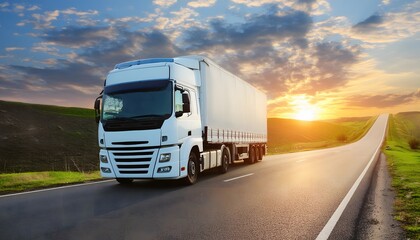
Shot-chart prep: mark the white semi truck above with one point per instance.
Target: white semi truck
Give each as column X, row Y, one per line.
column 173, row 118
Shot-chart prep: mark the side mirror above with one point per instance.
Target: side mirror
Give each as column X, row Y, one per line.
column 186, row 107
column 98, row 109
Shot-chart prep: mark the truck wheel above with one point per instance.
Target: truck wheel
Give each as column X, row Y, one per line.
column 257, row 154
column 225, row 161
column 251, row 159
column 192, row 169
column 261, row 153
column 124, row 181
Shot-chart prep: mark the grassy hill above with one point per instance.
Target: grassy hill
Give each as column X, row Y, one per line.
column 404, row 164
column 44, row 138
column 287, row 135
column 50, row 138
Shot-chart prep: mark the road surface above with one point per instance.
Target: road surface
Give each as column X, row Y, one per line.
column 289, row 196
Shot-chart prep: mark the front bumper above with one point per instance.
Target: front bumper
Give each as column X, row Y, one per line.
column 140, row 163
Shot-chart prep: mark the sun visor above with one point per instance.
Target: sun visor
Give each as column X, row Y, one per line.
column 135, row 74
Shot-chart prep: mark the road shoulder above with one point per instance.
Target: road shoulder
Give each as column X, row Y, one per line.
column 376, row 218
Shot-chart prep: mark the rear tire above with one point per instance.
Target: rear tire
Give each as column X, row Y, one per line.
column 251, row 156
column 257, row 154
column 261, row 153
column 192, row 170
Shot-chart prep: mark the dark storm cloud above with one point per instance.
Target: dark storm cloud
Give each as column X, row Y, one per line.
column 111, row 45
column 258, row 43
column 325, row 68
column 383, row 101
column 369, row 24
column 130, row 46
column 77, row 37
column 68, row 73
column 84, row 72
column 333, row 61
column 257, row 30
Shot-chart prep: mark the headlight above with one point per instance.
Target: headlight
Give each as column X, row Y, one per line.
column 165, row 157
column 103, row 158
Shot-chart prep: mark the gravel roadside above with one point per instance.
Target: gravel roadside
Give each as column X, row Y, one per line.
column 376, row 218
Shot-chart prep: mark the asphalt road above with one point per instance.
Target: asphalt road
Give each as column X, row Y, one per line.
column 288, row 196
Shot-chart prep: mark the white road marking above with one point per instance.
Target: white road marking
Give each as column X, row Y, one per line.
column 235, row 178
column 56, row 188
column 328, row 228
column 299, row 161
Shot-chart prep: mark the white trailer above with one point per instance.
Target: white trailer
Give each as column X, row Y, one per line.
column 173, row 118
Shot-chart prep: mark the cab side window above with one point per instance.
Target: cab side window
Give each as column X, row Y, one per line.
column 178, row 101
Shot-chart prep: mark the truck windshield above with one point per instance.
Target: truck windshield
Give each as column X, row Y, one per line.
column 137, row 101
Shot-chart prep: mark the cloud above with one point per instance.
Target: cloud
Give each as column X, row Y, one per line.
column 45, row 20
column 185, row 18
column 370, row 23
column 257, row 30
column 313, row 7
column 81, row 74
column 389, row 27
column 4, row 4
column 333, row 61
column 66, row 73
column 76, row 37
column 125, row 20
column 74, row 11
column 11, row 49
column 202, row 3
column 276, row 52
column 132, row 45
column 383, row 101
column 164, row 3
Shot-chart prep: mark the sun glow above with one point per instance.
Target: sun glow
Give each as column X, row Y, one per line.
column 305, row 114
column 304, row 110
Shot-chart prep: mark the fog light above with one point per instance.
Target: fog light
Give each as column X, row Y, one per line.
column 165, row 157
column 103, row 158
column 164, row 169
column 106, row 170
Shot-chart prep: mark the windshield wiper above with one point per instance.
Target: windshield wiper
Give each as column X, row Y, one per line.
column 123, row 119
column 150, row 116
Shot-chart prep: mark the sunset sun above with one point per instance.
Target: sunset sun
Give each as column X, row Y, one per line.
column 303, row 109
column 305, row 114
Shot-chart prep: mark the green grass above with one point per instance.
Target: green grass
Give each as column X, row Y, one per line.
column 18, row 182
column 66, row 111
column 404, row 164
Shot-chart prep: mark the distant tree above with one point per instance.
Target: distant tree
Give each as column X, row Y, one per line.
column 414, row 143
column 342, row 137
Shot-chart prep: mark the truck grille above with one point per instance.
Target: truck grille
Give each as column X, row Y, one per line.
column 133, row 162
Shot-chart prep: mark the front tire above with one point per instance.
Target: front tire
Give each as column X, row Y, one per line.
column 192, row 169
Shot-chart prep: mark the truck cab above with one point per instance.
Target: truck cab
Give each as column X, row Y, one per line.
column 151, row 125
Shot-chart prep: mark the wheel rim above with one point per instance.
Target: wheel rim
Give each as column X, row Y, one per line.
column 191, row 169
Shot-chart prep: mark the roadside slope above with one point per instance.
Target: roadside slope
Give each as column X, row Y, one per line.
column 46, row 138
column 404, row 165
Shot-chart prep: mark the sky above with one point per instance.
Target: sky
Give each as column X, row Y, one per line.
column 315, row 59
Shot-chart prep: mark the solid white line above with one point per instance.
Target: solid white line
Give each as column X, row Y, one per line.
column 328, row 228
column 56, row 188
column 231, row 179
